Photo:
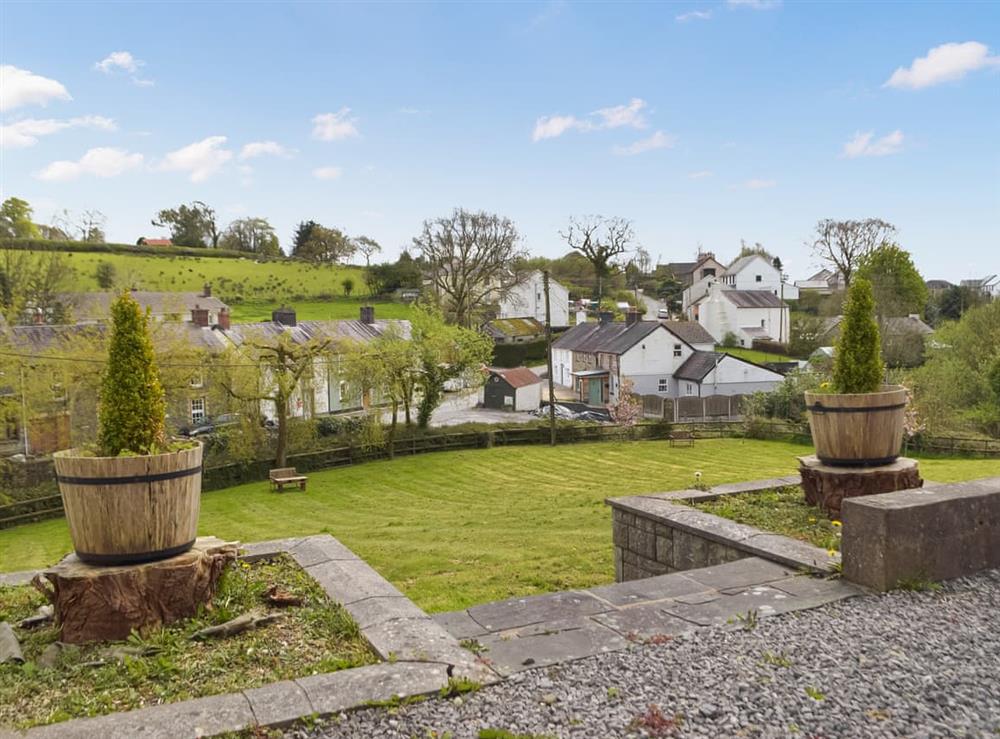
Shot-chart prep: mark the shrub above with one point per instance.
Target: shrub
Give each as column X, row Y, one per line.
column 105, row 275
column 730, row 340
column 857, row 364
column 132, row 409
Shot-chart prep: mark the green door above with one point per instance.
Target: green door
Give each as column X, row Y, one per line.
column 595, row 385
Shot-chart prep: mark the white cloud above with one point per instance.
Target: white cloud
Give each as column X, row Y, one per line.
column 700, row 174
column 119, row 60
column 943, row 63
column 327, row 173
column 658, row 140
column 694, row 15
column 264, row 148
column 618, row 116
column 20, row 87
column 754, row 4
column 201, row 159
column 101, row 162
column 866, row 145
column 756, row 184
column 25, row 133
column 334, row 126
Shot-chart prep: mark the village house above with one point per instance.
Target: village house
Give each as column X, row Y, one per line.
column 514, row 330
column 824, row 282
column 526, row 299
column 752, row 272
column 665, row 358
column 202, row 308
column 688, row 273
column 749, row 315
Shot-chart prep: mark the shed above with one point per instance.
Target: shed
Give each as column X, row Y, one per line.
column 516, row 389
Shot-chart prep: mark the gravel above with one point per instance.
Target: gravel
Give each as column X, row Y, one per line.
column 902, row 664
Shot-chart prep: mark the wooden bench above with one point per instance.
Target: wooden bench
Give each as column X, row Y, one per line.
column 681, row 438
column 286, row 476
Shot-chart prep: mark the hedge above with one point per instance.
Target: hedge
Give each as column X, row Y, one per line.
column 516, row 355
column 159, row 251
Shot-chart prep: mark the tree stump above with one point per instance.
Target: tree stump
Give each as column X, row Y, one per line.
column 826, row 486
column 95, row 603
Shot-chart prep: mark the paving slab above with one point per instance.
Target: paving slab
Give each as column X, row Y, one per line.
column 764, row 600
column 338, row 691
column 348, row 581
column 804, row 586
column 265, row 549
column 323, row 548
column 379, row 609
column 278, row 704
column 742, row 572
column 185, row 720
column 648, row 589
column 515, row 612
column 13, row 579
column 789, row 552
column 644, row 622
column 511, row 654
column 411, row 640
column 460, row 624
column 735, row 488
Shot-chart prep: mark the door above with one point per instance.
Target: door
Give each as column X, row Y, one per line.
column 594, row 385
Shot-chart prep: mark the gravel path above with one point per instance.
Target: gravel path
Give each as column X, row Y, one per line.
column 902, row 664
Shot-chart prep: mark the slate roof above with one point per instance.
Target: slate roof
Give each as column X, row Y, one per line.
column 756, row 332
column 753, row 299
column 690, row 331
column 893, row 326
column 303, row 331
column 97, row 306
column 938, row 284
column 516, row 376
column 682, row 268
column 698, row 365
column 742, row 262
column 615, row 337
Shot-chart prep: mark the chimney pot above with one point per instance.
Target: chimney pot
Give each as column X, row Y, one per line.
column 284, row 316
column 199, row 316
column 207, row 291
column 632, row 317
column 224, row 322
column 606, row 316
column 368, row 314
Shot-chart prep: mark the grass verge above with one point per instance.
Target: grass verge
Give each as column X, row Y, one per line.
column 165, row 666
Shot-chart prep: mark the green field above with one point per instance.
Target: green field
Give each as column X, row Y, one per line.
column 752, row 355
column 452, row 529
column 318, row 310
column 266, row 281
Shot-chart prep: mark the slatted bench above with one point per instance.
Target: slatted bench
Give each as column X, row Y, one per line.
column 681, row 438
column 286, row 476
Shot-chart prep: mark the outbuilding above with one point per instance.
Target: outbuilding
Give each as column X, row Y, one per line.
column 515, row 389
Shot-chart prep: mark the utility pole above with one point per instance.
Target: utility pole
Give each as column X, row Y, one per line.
column 24, row 415
column 548, row 356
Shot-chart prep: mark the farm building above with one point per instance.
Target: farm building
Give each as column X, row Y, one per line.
column 516, row 389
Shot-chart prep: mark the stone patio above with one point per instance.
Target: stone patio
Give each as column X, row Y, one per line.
column 525, row 633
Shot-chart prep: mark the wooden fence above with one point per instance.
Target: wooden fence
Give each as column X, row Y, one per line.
column 690, row 409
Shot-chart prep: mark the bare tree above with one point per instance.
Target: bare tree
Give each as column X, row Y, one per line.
column 88, row 225
column 368, row 247
column 600, row 240
column 472, row 257
column 844, row 244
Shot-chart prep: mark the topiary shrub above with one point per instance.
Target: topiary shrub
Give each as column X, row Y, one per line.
column 132, row 418
column 857, row 364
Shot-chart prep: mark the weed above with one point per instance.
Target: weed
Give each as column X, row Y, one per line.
column 777, row 660
column 815, row 693
column 613, row 693
column 459, row 686
column 750, row 619
column 918, row 585
column 655, row 723
column 473, row 646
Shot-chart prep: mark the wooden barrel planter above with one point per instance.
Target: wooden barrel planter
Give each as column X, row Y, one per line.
column 125, row 510
column 857, row 430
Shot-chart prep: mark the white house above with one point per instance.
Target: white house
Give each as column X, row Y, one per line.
column 526, row 299
column 823, row 282
column 752, row 272
column 714, row 373
column 595, row 358
column 749, row 314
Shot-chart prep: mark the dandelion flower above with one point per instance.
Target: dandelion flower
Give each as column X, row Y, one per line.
column 838, row 524
column 832, row 552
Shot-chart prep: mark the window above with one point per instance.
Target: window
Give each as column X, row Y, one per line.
column 198, row 378
column 661, row 386
column 677, row 350
column 197, row 410
column 708, row 272
column 758, row 278
column 690, row 388
column 762, row 323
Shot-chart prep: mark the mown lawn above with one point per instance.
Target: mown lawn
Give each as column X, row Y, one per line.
column 456, row 528
column 317, row 310
column 752, row 355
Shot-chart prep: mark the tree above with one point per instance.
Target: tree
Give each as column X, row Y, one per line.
column 348, row 285
column 15, row 220
column 746, row 250
column 897, row 285
column 324, row 244
column 35, row 283
column 368, row 248
column 302, row 233
column 857, row 363
column 387, row 277
column 269, row 369
column 132, row 415
column 472, row 259
column 627, row 408
column 88, row 226
column 190, row 225
column 104, row 273
column 600, row 240
column 844, row 244
column 254, row 235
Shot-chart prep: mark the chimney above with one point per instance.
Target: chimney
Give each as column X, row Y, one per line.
column 368, row 314
column 199, row 316
column 606, row 316
column 581, row 316
column 224, row 322
column 207, row 290
column 632, row 317
column 284, row 316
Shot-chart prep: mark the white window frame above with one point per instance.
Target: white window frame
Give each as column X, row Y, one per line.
column 198, row 379
column 197, row 417
column 663, row 385
column 690, row 388
column 678, row 350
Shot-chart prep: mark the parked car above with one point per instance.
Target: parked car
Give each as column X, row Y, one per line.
column 663, row 313
column 211, row 426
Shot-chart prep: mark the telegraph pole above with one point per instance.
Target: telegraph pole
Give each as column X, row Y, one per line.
column 548, row 357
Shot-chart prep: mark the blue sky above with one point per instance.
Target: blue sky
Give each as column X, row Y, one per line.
column 702, row 122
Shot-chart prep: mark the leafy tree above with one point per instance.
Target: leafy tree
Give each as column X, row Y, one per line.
column 254, row 235
column 132, row 415
column 805, row 334
column 898, row 288
column 34, row 282
column 670, row 290
column 844, row 244
column 746, row 250
column 384, row 278
column 368, row 247
column 600, row 240
column 857, row 364
column 324, row 245
column 472, row 258
column 302, row 233
column 952, row 303
column 15, row 220
column 348, row 285
column 104, row 273
column 190, row 225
